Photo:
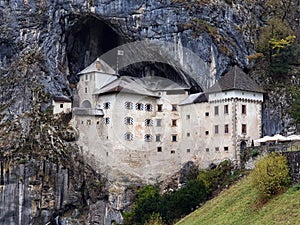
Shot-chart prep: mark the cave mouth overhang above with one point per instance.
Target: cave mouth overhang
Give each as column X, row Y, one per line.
column 90, row 37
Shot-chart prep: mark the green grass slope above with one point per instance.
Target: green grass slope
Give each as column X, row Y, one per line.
column 237, row 205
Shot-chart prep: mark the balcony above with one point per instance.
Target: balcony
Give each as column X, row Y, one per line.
column 87, row 112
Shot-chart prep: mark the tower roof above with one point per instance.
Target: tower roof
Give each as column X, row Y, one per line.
column 98, row 66
column 124, row 84
column 235, row 79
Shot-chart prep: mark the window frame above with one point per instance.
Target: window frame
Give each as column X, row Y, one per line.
column 158, row 138
column 226, row 129
column 139, row 106
column 128, row 136
column 174, row 107
column 128, row 120
column 148, row 137
column 148, row 122
column 174, row 122
column 148, row 107
column 244, row 128
column 159, row 107
column 216, row 110
column 106, row 105
column 174, row 138
column 128, row 105
column 244, row 109
column 158, row 122
column 216, row 129
column 226, row 109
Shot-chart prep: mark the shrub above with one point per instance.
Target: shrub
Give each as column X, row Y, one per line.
column 155, row 219
column 270, row 175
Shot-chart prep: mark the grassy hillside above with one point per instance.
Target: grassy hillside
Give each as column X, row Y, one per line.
column 237, row 205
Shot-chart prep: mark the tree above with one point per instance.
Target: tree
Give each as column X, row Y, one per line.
column 270, row 176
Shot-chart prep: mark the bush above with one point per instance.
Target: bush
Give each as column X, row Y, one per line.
column 155, row 219
column 271, row 175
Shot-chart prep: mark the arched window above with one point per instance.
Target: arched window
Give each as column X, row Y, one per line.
column 139, row 106
column 148, row 107
column 148, row 137
column 148, row 122
column 128, row 136
column 86, row 104
column 128, row 120
column 128, row 105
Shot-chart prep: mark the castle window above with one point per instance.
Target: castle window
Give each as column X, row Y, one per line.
column 159, row 108
column 128, row 105
column 148, row 137
column 98, row 122
column 61, row 106
column 158, row 122
column 188, row 117
column 226, row 129
column 174, row 107
column 159, row 149
column 85, row 90
column 216, row 110
column 217, row 149
column 148, row 107
column 139, row 106
column 106, row 105
column 207, row 149
column 225, row 109
column 244, row 109
column 188, row 134
column 207, row 114
column 106, row 120
column 244, row 129
column 174, row 137
column 226, row 149
column 128, row 121
column 174, row 123
column 172, row 152
column 206, row 132
column 158, row 138
column 88, row 122
column 216, row 129
column 86, row 77
column 148, row 122
column 188, row 150
column 128, row 136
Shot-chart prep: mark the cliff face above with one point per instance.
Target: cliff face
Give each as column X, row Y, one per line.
column 48, row 42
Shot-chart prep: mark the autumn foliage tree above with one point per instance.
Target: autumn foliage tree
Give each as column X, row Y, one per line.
column 271, row 175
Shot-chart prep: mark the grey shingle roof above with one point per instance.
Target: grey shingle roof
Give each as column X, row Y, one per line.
column 194, row 98
column 235, row 79
column 98, row 66
column 125, row 84
column 61, row 98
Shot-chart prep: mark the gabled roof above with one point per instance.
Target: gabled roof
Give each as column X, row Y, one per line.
column 98, row 66
column 235, row 79
column 160, row 84
column 61, row 98
column 194, row 98
column 125, row 84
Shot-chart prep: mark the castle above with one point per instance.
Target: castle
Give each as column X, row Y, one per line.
column 150, row 127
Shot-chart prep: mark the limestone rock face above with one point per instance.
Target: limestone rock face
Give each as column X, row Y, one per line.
column 47, row 42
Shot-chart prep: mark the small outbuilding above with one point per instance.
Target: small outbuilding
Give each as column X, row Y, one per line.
column 61, row 104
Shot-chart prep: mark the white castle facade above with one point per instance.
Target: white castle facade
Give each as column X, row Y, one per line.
column 150, row 127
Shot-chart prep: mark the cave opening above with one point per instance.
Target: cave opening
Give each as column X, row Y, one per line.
column 86, row 40
column 90, row 38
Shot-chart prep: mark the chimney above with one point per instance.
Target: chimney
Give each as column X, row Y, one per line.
column 98, row 64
